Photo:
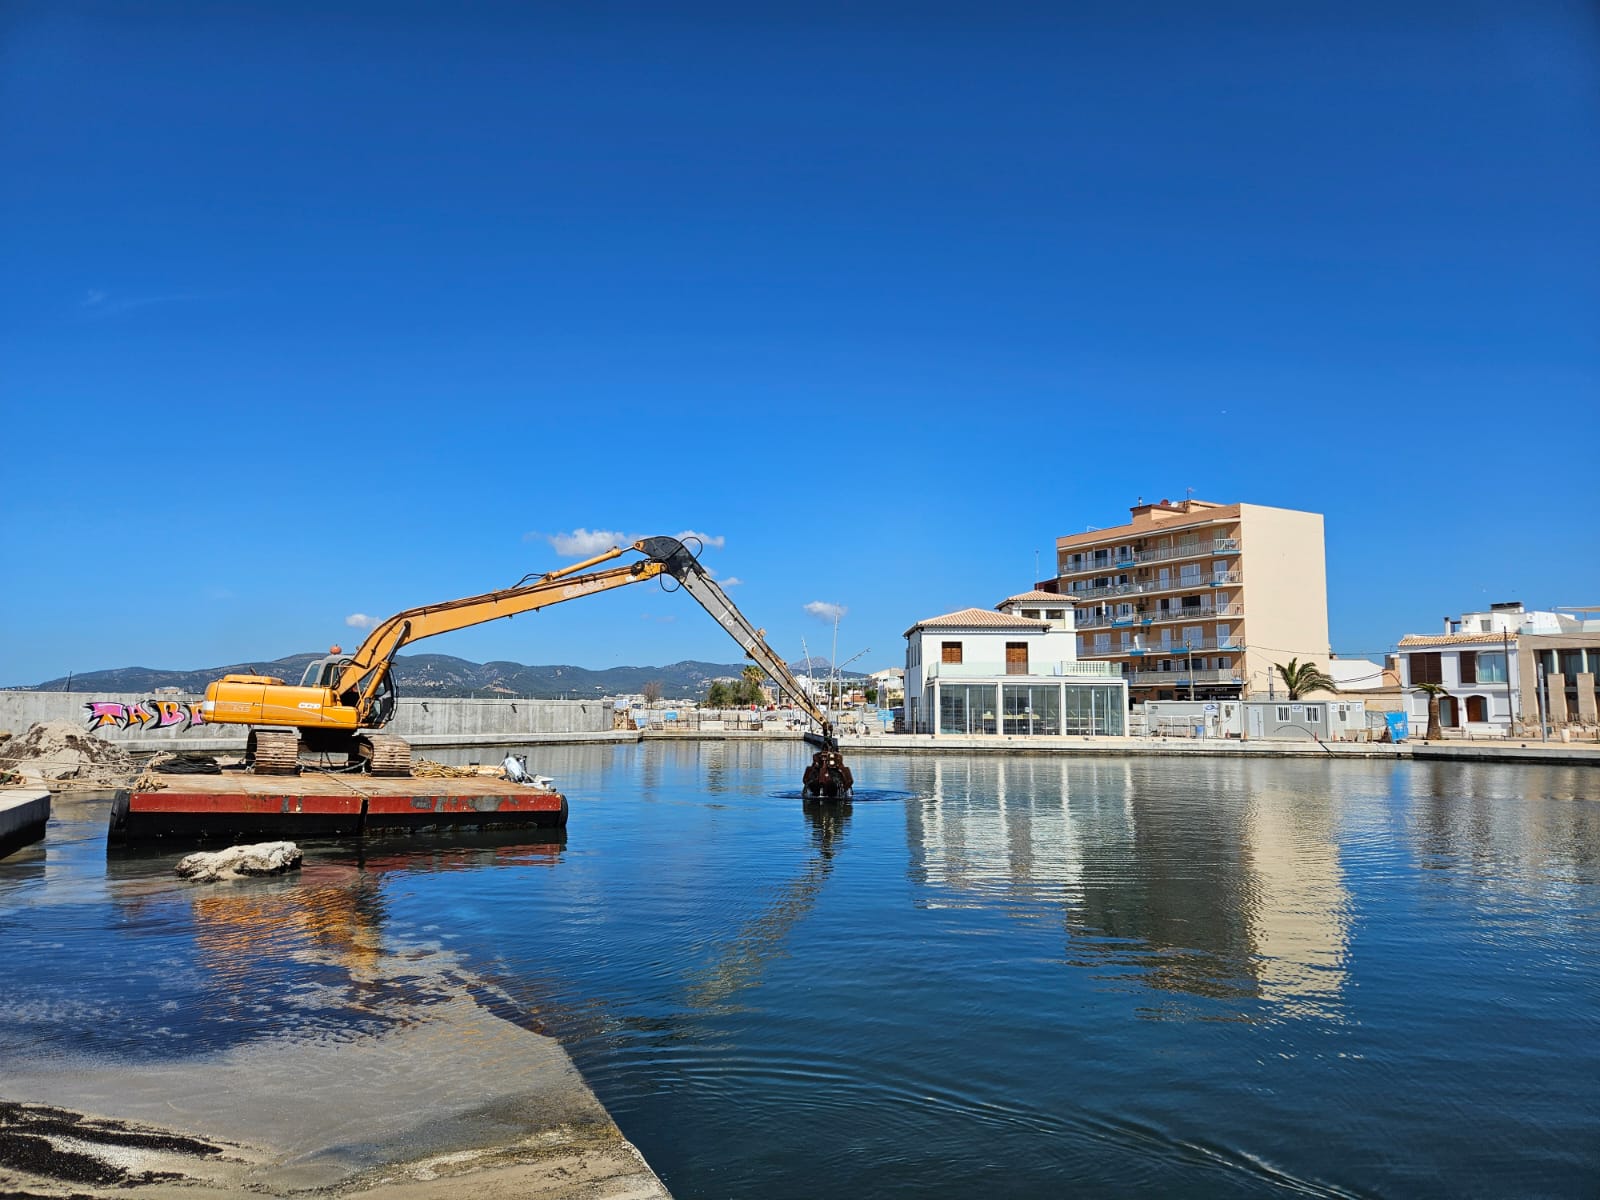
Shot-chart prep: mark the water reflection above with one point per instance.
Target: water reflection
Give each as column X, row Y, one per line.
column 740, row 962
column 1185, row 884
column 309, row 953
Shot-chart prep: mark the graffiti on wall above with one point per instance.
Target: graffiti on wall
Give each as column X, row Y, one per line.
column 176, row 715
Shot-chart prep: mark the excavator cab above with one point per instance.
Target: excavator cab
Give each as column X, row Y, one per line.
column 324, row 672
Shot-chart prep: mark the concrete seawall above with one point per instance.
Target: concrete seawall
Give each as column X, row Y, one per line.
column 134, row 720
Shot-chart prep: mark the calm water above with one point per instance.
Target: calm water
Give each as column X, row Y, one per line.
column 1026, row 977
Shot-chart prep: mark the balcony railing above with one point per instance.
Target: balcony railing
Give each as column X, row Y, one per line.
column 1168, row 649
column 1197, row 549
column 1183, row 583
column 999, row 670
column 1183, row 678
column 1157, row 617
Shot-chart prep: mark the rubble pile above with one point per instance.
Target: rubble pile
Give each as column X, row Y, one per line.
column 60, row 750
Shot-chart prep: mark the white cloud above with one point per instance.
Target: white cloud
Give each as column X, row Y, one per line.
column 711, row 540
column 586, row 543
column 824, row 611
column 732, row 581
column 361, row 621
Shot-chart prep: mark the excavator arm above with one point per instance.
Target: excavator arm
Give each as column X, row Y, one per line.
column 354, row 693
column 361, row 680
column 675, row 560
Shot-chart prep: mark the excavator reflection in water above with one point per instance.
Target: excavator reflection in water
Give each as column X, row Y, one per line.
column 741, row 962
column 343, row 701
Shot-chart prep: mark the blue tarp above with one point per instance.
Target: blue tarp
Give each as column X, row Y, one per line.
column 1399, row 726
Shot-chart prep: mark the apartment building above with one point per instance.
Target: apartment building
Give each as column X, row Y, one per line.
column 1197, row 600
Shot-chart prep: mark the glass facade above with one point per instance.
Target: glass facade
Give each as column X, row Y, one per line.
column 967, row 708
column 1030, row 709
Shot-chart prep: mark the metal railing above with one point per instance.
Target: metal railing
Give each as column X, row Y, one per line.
column 1183, row 583
column 1183, row 678
column 1157, row 617
column 1196, row 549
column 1157, row 649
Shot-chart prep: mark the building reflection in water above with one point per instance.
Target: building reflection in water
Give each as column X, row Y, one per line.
column 1230, row 889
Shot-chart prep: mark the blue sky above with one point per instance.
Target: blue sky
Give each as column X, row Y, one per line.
column 322, row 310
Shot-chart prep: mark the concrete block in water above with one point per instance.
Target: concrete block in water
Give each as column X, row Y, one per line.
column 24, row 812
column 263, row 858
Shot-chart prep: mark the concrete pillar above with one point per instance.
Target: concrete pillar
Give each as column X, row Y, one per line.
column 1556, row 687
column 1586, row 708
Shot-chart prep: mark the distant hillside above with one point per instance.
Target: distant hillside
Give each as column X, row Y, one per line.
column 433, row 675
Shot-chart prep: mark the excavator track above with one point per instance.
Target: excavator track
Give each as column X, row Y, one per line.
column 274, row 751
column 384, row 753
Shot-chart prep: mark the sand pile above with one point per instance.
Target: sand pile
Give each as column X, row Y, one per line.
column 61, row 750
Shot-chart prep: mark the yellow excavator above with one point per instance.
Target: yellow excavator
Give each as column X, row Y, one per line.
column 343, row 701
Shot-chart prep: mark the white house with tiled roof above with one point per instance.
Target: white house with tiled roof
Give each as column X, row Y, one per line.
column 1012, row 670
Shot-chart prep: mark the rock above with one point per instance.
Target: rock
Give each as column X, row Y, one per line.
column 263, row 858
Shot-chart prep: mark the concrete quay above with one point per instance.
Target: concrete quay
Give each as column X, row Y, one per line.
column 1519, row 751
column 927, row 743
column 24, row 813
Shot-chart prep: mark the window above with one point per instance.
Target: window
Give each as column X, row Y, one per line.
column 1313, row 714
column 1016, row 658
column 1491, row 667
column 1031, row 613
column 950, row 652
column 1425, row 668
column 1477, row 708
column 1483, row 625
column 1283, row 714
column 1055, row 614
column 1469, row 666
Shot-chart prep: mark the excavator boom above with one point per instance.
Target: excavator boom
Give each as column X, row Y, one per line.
column 343, row 698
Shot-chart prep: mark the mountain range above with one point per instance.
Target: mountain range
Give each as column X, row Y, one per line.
column 439, row 675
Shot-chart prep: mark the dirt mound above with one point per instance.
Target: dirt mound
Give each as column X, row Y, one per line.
column 61, row 750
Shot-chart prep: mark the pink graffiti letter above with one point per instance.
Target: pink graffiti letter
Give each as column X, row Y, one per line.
column 103, row 713
column 140, row 715
column 170, row 713
column 196, row 717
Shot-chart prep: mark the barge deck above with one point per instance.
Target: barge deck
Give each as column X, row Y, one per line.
column 237, row 806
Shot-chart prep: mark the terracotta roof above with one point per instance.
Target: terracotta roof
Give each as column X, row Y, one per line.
column 1455, row 639
column 977, row 618
column 1035, row 596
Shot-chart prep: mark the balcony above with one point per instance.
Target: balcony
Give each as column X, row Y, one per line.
column 1169, row 649
column 998, row 670
column 1183, row 678
column 1157, row 617
column 1200, row 548
column 1146, row 587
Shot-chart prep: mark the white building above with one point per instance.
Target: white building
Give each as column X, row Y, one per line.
column 1009, row 670
column 1470, row 660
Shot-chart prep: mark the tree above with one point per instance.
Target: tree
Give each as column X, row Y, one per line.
column 652, row 691
column 1303, row 678
column 720, row 695
column 1433, row 692
column 749, row 688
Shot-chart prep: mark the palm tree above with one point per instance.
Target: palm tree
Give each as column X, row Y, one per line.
column 1303, row 678
column 1434, row 691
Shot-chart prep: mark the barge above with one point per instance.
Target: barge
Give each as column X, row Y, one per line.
column 237, row 806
